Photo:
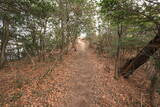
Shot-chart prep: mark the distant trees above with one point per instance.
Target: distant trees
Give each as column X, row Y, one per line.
column 17, row 17
column 37, row 27
column 4, row 39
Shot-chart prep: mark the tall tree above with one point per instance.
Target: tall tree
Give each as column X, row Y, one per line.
column 136, row 13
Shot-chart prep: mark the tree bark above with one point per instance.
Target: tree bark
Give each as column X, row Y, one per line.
column 42, row 40
column 153, row 85
column 143, row 56
column 4, row 41
column 118, row 59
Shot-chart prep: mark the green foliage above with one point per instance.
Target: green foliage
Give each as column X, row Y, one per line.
column 16, row 96
column 42, row 8
column 130, row 11
column 2, row 99
column 38, row 93
column 158, row 89
column 133, row 42
column 108, row 43
column 41, row 26
column 20, row 81
column 113, row 10
column 129, row 24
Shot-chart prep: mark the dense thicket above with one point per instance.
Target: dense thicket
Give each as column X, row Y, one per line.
column 135, row 14
column 130, row 31
column 36, row 27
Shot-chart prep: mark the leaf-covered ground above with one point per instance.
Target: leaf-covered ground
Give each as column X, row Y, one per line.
column 81, row 80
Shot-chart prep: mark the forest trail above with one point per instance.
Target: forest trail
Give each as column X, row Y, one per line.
column 83, row 85
column 40, row 67
column 81, row 80
column 92, row 83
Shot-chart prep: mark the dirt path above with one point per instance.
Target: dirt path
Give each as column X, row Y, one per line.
column 81, row 80
column 91, row 85
column 82, row 85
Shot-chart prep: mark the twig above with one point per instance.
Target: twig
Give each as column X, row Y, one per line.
column 29, row 55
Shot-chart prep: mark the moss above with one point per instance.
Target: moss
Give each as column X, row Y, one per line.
column 16, row 96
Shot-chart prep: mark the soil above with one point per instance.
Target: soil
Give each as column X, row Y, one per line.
column 82, row 80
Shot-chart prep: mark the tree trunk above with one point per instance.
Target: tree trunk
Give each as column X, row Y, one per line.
column 154, row 80
column 62, row 36
column 62, row 19
column 42, row 40
column 117, row 59
column 33, row 36
column 153, row 86
column 4, row 41
column 144, row 55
